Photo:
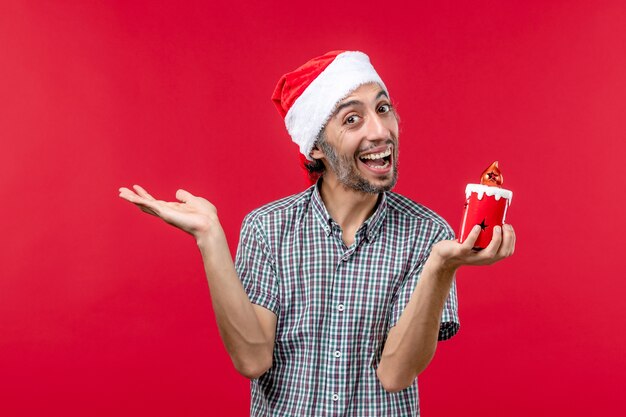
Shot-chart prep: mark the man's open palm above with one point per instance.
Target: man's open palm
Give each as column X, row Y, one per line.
column 191, row 214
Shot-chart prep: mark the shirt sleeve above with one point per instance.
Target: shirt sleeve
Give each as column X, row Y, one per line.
column 449, row 323
column 256, row 267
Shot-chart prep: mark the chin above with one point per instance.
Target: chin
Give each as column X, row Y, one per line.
column 376, row 187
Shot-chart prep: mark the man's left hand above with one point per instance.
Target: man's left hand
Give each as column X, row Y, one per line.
column 453, row 254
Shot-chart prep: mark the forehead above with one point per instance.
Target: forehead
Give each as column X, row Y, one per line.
column 365, row 92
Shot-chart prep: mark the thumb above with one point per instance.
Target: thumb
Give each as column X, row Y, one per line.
column 184, row 196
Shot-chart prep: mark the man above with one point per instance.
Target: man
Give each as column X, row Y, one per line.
column 340, row 293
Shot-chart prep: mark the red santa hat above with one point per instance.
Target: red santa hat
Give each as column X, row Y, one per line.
column 307, row 97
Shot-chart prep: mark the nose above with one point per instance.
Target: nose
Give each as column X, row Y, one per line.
column 377, row 127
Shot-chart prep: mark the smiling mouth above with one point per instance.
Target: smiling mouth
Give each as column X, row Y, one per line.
column 379, row 160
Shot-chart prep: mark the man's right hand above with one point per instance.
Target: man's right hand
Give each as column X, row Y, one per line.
column 194, row 215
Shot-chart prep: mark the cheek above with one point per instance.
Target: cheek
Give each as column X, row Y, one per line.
column 393, row 128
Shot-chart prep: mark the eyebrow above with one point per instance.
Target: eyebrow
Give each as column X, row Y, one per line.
column 342, row 106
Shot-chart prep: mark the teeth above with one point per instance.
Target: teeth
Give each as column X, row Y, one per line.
column 383, row 166
column 378, row 155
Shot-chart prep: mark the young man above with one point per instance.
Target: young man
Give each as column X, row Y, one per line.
column 339, row 294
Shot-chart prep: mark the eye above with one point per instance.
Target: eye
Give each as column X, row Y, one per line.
column 352, row 119
column 384, row 108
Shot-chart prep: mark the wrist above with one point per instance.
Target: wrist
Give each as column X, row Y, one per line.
column 210, row 236
column 441, row 264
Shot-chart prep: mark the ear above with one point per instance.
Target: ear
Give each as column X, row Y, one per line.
column 316, row 152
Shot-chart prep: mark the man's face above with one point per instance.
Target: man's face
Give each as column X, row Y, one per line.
column 359, row 145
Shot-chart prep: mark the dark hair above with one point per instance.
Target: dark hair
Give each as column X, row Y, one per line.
column 315, row 168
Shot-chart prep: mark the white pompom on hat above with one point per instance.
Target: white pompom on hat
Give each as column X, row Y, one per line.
column 307, row 96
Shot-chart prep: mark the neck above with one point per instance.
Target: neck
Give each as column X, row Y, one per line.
column 349, row 208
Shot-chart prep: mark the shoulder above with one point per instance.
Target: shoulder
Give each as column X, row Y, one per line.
column 280, row 210
column 407, row 210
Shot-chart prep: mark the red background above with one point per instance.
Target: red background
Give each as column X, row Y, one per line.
column 105, row 311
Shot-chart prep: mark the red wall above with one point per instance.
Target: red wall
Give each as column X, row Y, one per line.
column 105, row 311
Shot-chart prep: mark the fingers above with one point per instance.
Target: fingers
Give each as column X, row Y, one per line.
column 181, row 195
column 502, row 244
column 148, row 210
column 127, row 194
column 471, row 238
column 143, row 192
column 508, row 241
column 496, row 240
column 184, row 196
column 144, row 201
column 132, row 196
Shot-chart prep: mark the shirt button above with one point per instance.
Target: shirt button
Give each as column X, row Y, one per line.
column 335, row 397
column 340, row 307
column 337, row 354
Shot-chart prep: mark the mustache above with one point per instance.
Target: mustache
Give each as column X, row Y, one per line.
column 389, row 141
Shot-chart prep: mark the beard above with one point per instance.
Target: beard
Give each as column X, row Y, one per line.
column 348, row 174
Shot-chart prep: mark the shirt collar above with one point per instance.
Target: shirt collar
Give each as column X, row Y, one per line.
column 319, row 209
column 371, row 226
column 376, row 220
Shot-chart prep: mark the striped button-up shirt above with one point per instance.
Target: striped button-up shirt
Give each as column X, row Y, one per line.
column 335, row 304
